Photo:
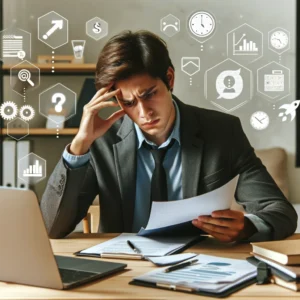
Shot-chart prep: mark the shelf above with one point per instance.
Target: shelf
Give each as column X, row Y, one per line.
column 40, row 131
column 60, row 69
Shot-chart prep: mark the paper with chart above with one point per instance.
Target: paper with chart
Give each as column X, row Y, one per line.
column 210, row 273
column 168, row 213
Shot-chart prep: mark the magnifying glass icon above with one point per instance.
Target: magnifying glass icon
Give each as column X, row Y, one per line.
column 25, row 75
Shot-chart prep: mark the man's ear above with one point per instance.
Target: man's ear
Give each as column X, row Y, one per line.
column 171, row 77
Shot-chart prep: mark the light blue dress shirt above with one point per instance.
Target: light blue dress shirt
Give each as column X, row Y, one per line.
column 145, row 168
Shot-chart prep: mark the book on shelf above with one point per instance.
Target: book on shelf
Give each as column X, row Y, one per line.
column 284, row 252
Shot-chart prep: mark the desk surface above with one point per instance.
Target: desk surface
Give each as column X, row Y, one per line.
column 117, row 287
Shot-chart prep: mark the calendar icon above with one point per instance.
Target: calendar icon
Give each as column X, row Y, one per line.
column 274, row 82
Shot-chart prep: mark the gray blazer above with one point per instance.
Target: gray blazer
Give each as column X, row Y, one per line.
column 214, row 149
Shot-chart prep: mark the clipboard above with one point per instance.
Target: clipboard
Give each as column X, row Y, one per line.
column 190, row 291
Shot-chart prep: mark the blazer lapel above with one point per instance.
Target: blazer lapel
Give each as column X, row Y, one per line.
column 191, row 149
column 125, row 161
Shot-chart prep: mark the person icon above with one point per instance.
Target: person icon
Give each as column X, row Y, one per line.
column 229, row 83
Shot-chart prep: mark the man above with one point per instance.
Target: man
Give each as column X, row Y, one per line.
column 117, row 157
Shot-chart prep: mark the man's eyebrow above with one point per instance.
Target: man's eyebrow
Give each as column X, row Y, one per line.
column 144, row 93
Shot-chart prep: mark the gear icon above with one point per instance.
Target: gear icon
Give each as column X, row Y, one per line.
column 26, row 112
column 8, row 110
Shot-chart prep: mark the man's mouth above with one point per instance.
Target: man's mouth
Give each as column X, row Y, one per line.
column 151, row 123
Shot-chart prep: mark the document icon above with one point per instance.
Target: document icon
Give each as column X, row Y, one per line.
column 190, row 65
column 12, row 45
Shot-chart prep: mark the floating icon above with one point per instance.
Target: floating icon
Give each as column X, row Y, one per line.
column 279, row 39
column 34, row 170
column 247, row 48
column 229, row 84
column 174, row 26
column 26, row 112
column 170, row 25
column 12, row 44
column 274, row 82
column 58, row 24
column 8, row 110
column 259, row 120
column 190, row 65
column 290, row 109
column 21, row 54
column 202, row 24
column 25, row 75
column 78, row 48
column 97, row 28
column 60, row 99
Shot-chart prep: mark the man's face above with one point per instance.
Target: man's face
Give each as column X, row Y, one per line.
column 148, row 102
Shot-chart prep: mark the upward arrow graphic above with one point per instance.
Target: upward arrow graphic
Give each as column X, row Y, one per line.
column 58, row 24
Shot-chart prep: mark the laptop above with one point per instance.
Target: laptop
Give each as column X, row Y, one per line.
column 26, row 255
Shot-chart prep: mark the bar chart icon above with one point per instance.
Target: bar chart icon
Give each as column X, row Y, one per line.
column 35, row 170
column 244, row 47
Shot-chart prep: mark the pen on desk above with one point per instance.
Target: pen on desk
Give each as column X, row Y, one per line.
column 180, row 266
column 133, row 247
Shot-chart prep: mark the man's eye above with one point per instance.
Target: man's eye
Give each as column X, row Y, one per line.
column 150, row 95
column 128, row 103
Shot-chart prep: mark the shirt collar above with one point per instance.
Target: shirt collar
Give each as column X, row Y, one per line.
column 174, row 134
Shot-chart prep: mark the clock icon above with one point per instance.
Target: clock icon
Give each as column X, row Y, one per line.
column 279, row 39
column 201, row 24
column 259, row 120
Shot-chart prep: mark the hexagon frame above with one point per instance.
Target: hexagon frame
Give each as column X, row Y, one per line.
column 27, row 127
column 38, row 31
column 86, row 29
column 262, row 93
column 45, row 173
column 262, row 41
column 219, row 106
column 29, row 41
column 39, row 72
column 271, row 47
column 50, row 89
column 161, row 21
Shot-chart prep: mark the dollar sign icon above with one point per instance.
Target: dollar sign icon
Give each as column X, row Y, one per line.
column 97, row 27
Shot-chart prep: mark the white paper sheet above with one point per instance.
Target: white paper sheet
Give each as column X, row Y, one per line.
column 171, row 259
column 169, row 213
column 148, row 246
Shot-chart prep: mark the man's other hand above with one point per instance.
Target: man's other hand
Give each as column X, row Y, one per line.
column 226, row 225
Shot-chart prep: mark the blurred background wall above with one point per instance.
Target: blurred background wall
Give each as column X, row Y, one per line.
column 146, row 14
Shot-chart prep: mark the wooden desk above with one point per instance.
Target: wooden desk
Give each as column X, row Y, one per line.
column 117, row 287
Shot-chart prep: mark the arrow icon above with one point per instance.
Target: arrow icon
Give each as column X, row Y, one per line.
column 58, row 24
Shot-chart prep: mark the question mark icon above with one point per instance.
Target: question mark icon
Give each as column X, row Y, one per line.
column 62, row 99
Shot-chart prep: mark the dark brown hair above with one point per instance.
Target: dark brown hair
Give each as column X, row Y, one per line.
column 128, row 54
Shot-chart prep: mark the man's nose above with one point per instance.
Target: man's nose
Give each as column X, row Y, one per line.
column 144, row 110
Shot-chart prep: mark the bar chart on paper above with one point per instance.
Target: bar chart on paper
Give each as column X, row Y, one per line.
column 33, row 170
column 243, row 47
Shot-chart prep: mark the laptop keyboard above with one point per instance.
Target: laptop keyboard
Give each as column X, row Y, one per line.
column 71, row 276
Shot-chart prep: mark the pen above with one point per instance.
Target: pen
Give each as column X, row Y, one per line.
column 133, row 247
column 180, row 266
